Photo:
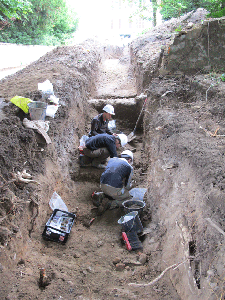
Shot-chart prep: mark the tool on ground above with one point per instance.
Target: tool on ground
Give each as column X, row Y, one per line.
column 131, row 136
column 131, row 227
column 131, row 240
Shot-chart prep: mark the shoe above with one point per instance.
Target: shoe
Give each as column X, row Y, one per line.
column 103, row 206
column 116, row 204
column 97, row 198
column 85, row 166
column 98, row 166
column 82, row 162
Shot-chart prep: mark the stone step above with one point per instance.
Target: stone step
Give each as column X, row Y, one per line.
column 126, row 109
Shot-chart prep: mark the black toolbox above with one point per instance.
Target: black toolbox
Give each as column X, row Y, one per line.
column 58, row 227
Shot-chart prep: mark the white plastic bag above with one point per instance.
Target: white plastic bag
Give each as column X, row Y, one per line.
column 112, row 124
column 138, row 193
column 51, row 110
column 56, row 202
column 83, row 140
column 46, row 89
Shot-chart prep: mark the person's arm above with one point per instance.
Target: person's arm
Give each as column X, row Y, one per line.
column 108, row 130
column 128, row 179
column 111, row 146
column 94, row 127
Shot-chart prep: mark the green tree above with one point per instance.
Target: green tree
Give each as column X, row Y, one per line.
column 142, row 9
column 14, row 8
column 175, row 8
column 11, row 10
column 216, row 8
column 49, row 23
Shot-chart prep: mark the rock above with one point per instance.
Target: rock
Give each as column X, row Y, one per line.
column 5, row 233
column 29, row 271
column 120, row 267
column 142, row 258
column 1, row 268
column 190, row 25
column 100, row 243
column 116, row 260
column 76, row 255
column 21, row 262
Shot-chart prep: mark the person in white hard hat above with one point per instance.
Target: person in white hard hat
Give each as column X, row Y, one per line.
column 98, row 148
column 115, row 181
column 100, row 123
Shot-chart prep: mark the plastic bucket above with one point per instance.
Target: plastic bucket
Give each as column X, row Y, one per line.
column 131, row 222
column 37, row 110
column 133, row 205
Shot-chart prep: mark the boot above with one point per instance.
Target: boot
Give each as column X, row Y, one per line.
column 97, row 198
column 97, row 165
column 103, row 206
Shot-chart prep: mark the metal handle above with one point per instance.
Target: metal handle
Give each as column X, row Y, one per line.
column 139, row 115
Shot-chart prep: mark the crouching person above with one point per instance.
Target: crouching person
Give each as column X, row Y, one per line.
column 115, row 181
column 99, row 147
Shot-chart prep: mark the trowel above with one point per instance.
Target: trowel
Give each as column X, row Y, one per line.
column 131, row 135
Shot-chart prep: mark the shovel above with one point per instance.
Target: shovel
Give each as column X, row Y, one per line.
column 132, row 136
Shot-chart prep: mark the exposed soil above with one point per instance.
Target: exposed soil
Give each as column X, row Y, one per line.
column 178, row 157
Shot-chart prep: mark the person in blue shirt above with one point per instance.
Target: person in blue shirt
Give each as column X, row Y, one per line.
column 115, row 181
column 99, row 147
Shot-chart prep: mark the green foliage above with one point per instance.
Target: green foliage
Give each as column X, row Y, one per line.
column 49, row 23
column 144, row 10
column 174, row 8
column 178, row 29
column 14, row 9
column 222, row 77
column 216, row 8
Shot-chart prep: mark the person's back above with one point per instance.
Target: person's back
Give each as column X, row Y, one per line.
column 116, row 171
column 102, row 141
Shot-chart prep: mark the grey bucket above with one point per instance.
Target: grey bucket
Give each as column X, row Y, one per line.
column 37, row 110
column 133, row 205
column 131, row 222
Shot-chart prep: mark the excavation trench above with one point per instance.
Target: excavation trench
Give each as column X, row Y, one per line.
column 85, row 267
column 178, row 157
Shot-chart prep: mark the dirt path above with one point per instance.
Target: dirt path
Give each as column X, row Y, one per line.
column 116, row 79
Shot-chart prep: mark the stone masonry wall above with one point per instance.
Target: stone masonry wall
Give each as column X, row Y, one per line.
column 202, row 48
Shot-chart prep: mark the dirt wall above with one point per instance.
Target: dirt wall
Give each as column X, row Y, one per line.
column 183, row 129
column 22, row 148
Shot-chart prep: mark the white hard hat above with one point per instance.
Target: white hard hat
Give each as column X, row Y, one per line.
column 127, row 153
column 109, row 109
column 123, row 139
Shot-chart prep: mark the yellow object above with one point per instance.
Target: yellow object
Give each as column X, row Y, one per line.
column 21, row 103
